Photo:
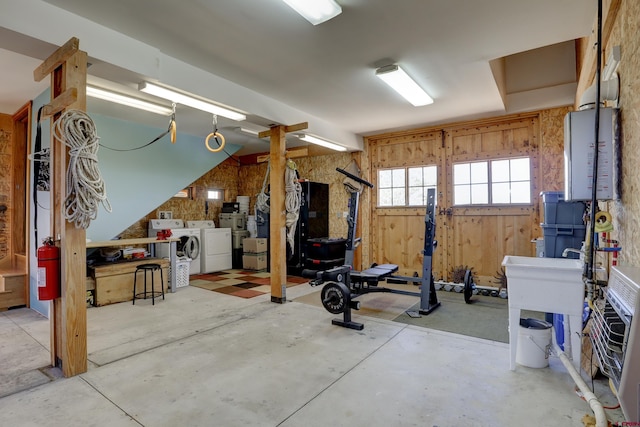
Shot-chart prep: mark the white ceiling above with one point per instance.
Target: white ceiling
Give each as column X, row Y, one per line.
column 453, row 48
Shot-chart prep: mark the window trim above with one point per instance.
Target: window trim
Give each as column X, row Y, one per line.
column 490, row 184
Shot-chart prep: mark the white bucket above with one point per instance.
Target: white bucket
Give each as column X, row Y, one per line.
column 534, row 342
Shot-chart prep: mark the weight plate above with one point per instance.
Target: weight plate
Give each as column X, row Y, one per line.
column 335, row 297
column 468, row 286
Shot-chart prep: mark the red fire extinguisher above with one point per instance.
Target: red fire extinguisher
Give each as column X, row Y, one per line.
column 48, row 271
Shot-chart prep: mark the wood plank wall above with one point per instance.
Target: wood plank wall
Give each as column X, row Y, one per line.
column 474, row 237
column 6, row 169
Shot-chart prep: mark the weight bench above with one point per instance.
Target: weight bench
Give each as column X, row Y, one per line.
column 371, row 276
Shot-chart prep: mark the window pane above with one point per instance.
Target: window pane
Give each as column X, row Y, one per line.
column 479, row 173
column 520, row 170
column 479, row 194
column 384, row 197
column 416, row 196
column 520, row 192
column 384, row 179
column 500, row 193
column 415, row 177
column 398, row 196
column 462, row 195
column 500, row 171
column 398, row 177
column 431, row 176
column 461, row 173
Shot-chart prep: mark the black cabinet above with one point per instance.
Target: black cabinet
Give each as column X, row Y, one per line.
column 313, row 222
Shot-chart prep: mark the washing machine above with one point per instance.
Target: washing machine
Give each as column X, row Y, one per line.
column 189, row 244
column 215, row 252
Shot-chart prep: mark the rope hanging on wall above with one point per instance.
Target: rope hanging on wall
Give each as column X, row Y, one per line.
column 85, row 186
column 292, row 201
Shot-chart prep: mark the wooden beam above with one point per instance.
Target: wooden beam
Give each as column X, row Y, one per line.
column 277, row 216
column 64, row 100
column 610, row 9
column 69, row 312
column 287, row 129
column 58, row 57
column 293, row 153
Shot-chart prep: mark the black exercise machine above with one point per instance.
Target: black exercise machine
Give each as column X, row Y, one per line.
column 342, row 284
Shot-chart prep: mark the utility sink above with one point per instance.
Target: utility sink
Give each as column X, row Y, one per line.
column 551, row 285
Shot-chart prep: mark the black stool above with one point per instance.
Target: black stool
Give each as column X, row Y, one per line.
column 145, row 268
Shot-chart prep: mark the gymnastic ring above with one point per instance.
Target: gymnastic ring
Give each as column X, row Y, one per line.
column 172, row 131
column 216, row 135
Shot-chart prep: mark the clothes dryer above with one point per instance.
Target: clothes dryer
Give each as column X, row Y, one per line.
column 188, row 246
column 215, row 254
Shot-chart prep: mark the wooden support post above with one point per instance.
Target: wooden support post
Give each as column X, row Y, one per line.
column 277, row 211
column 68, row 316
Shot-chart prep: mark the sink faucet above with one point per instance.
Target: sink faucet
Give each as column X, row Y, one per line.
column 565, row 253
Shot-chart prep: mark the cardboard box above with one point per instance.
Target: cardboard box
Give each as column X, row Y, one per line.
column 254, row 245
column 254, row 261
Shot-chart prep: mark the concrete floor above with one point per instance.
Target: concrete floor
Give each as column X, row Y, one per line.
column 202, row 358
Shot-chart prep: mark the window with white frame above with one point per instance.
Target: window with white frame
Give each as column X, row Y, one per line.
column 499, row 182
column 401, row 187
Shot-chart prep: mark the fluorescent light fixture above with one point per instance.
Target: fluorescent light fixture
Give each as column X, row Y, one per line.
column 106, row 95
column 315, row 11
column 322, row 142
column 400, row 81
column 247, row 131
column 190, row 101
column 612, row 63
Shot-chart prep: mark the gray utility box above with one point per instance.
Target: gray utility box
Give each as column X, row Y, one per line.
column 579, row 131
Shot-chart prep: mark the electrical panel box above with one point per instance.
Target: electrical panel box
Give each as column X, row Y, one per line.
column 579, row 152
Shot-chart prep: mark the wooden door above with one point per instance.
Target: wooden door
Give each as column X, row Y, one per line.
column 479, row 236
column 397, row 234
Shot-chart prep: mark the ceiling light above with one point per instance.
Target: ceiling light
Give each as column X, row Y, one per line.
column 315, row 11
column 190, row 101
column 322, row 142
column 247, row 131
column 400, row 81
column 95, row 92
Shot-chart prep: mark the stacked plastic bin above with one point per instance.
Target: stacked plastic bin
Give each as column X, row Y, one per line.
column 563, row 228
column 563, row 225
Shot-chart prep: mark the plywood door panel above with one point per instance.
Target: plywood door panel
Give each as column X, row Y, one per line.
column 480, row 236
column 397, row 234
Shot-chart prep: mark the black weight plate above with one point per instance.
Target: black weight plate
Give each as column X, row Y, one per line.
column 335, row 297
column 468, row 286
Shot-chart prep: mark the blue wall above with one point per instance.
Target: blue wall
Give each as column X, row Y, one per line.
column 136, row 182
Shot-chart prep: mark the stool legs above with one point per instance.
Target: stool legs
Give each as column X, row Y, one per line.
column 150, row 268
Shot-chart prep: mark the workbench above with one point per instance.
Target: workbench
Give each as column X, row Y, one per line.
column 151, row 242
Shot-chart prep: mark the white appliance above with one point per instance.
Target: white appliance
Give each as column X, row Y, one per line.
column 189, row 244
column 216, row 246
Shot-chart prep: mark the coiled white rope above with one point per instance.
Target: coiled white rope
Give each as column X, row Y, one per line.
column 85, row 187
column 292, row 201
column 262, row 198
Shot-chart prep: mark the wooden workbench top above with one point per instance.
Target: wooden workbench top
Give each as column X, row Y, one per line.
column 127, row 242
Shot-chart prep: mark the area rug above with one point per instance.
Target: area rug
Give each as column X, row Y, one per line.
column 240, row 283
column 486, row 317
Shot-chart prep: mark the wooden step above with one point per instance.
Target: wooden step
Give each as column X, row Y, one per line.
column 13, row 288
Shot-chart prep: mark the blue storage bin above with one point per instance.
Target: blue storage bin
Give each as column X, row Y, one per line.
column 557, row 238
column 558, row 211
